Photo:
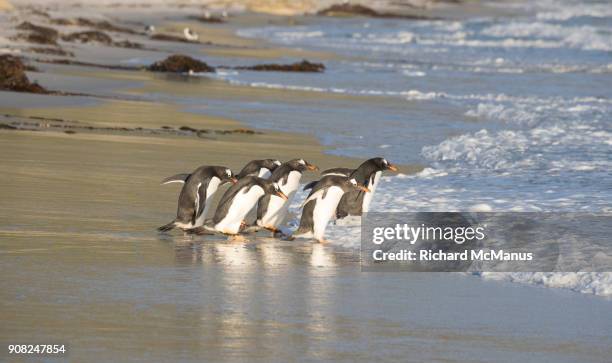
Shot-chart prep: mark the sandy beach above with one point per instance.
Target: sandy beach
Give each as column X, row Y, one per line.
column 82, row 261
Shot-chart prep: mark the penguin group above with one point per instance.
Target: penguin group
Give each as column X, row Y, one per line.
column 268, row 187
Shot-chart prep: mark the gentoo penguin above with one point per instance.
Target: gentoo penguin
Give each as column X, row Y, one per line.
column 190, row 35
column 271, row 209
column 196, row 195
column 149, row 29
column 320, row 205
column 238, row 200
column 356, row 202
column 261, row 168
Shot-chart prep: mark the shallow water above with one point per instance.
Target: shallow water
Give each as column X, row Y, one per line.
column 82, row 265
column 158, row 300
column 508, row 113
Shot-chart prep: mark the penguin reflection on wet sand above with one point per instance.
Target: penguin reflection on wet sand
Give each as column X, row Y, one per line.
column 238, row 200
column 356, row 202
column 320, row 205
column 271, row 209
column 196, row 195
column 261, row 168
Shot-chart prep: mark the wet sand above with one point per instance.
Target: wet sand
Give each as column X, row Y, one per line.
column 116, row 295
column 82, row 264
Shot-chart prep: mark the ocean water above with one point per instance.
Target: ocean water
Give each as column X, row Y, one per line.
column 507, row 113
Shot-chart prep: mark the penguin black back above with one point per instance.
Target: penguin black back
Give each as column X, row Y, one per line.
column 253, row 167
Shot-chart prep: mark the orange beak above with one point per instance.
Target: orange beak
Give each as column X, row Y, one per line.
column 363, row 188
column 312, row 167
column 233, row 180
column 282, row 195
column 393, row 167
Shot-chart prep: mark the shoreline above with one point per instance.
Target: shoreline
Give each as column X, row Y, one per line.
column 153, row 133
column 84, row 265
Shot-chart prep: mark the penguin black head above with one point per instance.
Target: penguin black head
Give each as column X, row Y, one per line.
column 270, row 164
column 273, row 188
column 301, row 165
column 382, row 164
column 253, row 167
column 225, row 174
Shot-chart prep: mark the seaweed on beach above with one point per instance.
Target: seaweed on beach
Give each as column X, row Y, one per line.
column 26, row 25
column 70, row 62
column 99, row 25
column 207, row 19
column 51, row 51
column 38, row 123
column 89, row 36
column 14, row 78
column 172, row 38
column 128, row 44
column 37, row 34
column 179, row 63
column 237, row 131
column 187, row 128
column 347, row 9
column 7, row 127
column 100, row 37
column 303, row 66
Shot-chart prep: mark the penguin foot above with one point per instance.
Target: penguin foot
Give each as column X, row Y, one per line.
column 322, row 240
column 278, row 233
column 250, row 229
column 286, row 237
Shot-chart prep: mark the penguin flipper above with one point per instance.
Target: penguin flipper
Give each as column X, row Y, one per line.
column 201, row 201
column 342, row 210
column 262, row 206
column 313, row 196
column 310, row 185
column 178, row 178
column 306, row 221
column 351, row 204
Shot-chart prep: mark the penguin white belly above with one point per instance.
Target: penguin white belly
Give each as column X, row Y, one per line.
column 367, row 198
column 324, row 210
column 213, row 185
column 278, row 207
column 274, row 213
column 241, row 205
column 264, row 173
